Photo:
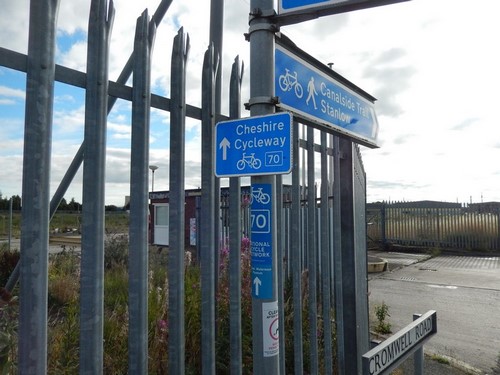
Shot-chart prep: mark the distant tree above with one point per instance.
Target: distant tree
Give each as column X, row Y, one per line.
column 63, row 206
column 111, row 207
column 74, row 205
column 16, row 202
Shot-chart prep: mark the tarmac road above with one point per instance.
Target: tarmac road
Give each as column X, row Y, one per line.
column 465, row 292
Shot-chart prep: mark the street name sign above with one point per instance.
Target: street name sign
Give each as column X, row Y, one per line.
column 393, row 351
column 261, row 241
column 254, row 146
column 318, row 97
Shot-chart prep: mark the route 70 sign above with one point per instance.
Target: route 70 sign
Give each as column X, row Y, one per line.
column 254, row 146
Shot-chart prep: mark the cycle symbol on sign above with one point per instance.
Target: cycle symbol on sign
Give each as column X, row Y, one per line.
column 250, row 160
column 290, row 81
column 260, row 196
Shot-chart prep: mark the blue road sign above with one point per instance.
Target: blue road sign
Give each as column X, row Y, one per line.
column 285, row 6
column 254, row 146
column 317, row 97
column 262, row 240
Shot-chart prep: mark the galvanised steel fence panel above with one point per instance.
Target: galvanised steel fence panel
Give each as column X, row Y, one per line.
column 308, row 220
column 434, row 225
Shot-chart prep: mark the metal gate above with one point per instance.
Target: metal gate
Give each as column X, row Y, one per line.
column 321, row 249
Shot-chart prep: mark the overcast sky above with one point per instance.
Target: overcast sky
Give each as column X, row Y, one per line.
column 432, row 65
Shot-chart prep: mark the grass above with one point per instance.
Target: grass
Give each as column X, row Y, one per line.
column 64, row 306
column 116, row 222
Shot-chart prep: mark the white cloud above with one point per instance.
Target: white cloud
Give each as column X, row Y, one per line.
column 432, row 66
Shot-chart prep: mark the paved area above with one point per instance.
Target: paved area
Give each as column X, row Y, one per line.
column 446, row 272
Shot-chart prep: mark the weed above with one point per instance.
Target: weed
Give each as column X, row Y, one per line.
column 382, row 312
column 434, row 252
column 8, row 261
column 116, row 251
column 440, row 359
column 9, row 312
column 496, row 369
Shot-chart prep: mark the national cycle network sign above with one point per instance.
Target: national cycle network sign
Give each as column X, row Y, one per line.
column 318, row 98
column 253, row 146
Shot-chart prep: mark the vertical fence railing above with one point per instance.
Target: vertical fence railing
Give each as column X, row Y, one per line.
column 138, row 226
column 40, row 70
column 208, row 224
column 176, row 345
column 235, row 234
column 92, row 263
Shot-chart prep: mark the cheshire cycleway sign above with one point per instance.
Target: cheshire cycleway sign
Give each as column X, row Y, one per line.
column 318, row 98
column 260, row 145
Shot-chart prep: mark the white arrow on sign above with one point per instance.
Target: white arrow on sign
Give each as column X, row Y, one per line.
column 257, row 283
column 224, row 144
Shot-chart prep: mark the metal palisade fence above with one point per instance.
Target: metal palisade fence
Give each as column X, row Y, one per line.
column 321, row 247
column 435, row 224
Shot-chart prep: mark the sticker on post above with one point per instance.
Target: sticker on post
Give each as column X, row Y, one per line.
column 270, row 328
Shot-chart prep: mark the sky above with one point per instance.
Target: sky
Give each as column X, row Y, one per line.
column 432, row 65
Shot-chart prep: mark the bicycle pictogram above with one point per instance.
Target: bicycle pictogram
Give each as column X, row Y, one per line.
column 250, row 160
column 260, row 196
column 289, row 81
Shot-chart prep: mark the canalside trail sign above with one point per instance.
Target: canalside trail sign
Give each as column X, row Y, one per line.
column 318, row 98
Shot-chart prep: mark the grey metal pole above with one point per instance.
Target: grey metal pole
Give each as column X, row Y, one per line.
column 92, row 263
column 235, row 233
column 176, row 345
column 261, row 93
column 418, row 356
column 36, row 188
column 208, row 237
column 139, row 171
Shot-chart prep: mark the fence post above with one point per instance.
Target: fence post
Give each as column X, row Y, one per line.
column 138, row 228
column 176, row 345
column 92, row 268
column 235, row 233
column 295, row 255
column 36, row 188
column 418, row 356
column 208, row 209
column 312, row 258
column 383, row 226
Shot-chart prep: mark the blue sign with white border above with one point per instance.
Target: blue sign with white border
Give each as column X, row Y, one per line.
column 254, row 146
column 313, row 95
column 261, row 241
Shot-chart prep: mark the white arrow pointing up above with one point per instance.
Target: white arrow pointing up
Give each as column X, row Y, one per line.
column 257, row 284
column 224, row 144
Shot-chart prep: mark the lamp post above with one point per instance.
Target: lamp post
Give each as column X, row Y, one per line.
column 153, row 169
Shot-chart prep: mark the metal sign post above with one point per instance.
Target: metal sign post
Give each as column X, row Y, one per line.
column 264, row 302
